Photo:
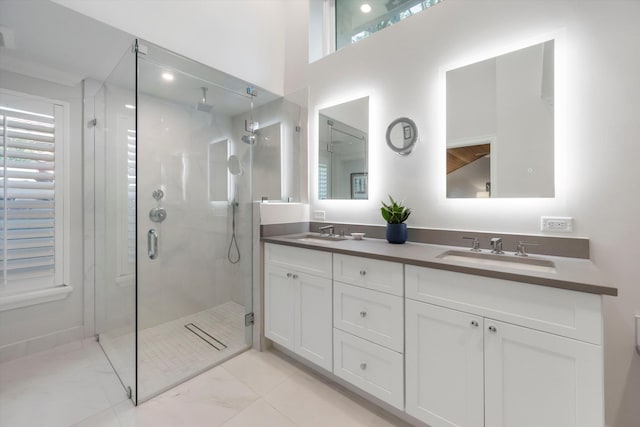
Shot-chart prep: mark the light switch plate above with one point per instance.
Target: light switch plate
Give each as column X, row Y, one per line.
column 319, row 215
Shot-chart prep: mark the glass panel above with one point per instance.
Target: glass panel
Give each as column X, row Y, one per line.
column 356, row 20
column 114, row 168
column 195, row 149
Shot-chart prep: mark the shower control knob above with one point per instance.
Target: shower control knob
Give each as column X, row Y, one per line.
column 157, row 214
column 158, row 194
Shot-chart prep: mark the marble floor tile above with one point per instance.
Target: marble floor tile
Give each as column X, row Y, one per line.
column 310, row 402
column 259, row 413
column 107, row 418
column 57, row 387
column 209, row 399
column 73, row 385
column 261, row 371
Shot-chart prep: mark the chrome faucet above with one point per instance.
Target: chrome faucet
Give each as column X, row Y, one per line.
column 328, row 228
column 475, row 245
column 496, row 245
column 521, row 248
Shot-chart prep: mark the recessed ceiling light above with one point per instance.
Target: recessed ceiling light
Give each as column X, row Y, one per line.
column 167, row 76
column 129, row 106
column 365, row 8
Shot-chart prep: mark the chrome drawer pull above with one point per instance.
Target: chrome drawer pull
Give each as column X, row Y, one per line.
column 474, row 323
column 363, row 314
column 363, row 272
column 363, row 366
column 493, row 329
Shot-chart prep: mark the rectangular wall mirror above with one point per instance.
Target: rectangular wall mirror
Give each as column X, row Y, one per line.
column 343, row 143
column 500, row 126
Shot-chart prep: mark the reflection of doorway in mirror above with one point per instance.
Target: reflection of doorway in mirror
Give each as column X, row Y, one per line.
column 470, row 168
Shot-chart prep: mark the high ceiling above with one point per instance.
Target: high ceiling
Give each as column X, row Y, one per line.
column 54, row 43
column 51, row 42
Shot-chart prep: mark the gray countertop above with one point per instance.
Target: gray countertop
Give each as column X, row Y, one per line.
column 571, row 273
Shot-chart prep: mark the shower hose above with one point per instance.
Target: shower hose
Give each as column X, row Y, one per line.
column 233, row 255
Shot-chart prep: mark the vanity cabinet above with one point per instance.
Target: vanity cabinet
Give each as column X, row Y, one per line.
column 298, row 301
column 368, row 320
column 489, row 352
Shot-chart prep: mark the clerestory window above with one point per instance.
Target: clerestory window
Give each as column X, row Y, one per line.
column 358, row 19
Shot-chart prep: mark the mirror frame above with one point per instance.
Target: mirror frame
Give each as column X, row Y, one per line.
column 406, row 150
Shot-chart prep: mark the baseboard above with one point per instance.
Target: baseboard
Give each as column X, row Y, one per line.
column 34, row 345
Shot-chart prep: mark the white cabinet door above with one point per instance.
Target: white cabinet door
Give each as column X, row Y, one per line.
column 534, row 379
column 313, row 319
column 280, row 297
column 444, row 366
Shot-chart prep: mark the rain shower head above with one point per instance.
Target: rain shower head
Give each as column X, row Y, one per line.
column 203, row 106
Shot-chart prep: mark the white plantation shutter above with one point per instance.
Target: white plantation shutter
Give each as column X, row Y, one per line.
column 131, row 198
column 30, row 202
column 323, row 187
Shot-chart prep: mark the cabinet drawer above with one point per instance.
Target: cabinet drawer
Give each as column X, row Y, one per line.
column 371, row 315
column 384, row 276
column 308, row 261
column 559, row 311
column 370, row 367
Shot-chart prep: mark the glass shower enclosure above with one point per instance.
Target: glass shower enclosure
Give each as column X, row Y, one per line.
column 173, row 218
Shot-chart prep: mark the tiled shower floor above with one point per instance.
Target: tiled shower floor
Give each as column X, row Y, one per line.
column 169, row 353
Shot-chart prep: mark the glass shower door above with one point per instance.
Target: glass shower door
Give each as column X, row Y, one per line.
column 114, row 220
column 194, row 219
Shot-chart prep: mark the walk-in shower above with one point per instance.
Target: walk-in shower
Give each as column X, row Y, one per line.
column 173, row 218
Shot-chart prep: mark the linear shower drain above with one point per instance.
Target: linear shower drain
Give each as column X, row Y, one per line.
column 209, row 339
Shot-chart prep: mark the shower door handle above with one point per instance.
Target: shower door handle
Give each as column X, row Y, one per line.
column 152, row 243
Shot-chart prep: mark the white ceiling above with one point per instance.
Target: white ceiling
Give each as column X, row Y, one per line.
column 57, row 44
column 54, row 43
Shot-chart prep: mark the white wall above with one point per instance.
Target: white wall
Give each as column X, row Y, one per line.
column 38, row 327
column 192, row 272
column 597, row 129
column 245, row 38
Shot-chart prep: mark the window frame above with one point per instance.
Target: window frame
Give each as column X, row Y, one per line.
column 19, row 295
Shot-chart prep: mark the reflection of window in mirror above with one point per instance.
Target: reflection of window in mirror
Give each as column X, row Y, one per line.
column 510, row 98
column 343, row 150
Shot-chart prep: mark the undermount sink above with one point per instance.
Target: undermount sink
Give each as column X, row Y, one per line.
column 495, row 260
column 318, row 238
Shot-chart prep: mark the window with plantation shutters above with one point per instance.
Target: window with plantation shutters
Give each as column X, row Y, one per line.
column 323, row 187
column 30, row 194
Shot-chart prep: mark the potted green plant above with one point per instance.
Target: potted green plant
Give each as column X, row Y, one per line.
column 395, row 214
